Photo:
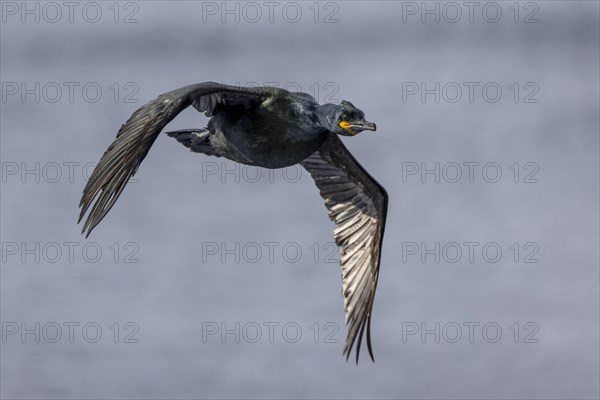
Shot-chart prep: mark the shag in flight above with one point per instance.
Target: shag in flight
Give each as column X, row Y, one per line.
column 271, row 128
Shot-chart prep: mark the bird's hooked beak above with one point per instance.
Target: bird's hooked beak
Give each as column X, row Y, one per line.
column 355, row 127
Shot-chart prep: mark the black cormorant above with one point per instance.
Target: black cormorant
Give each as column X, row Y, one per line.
column 272, row 128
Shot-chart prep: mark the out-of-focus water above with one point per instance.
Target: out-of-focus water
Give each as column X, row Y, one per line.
column 217, row 244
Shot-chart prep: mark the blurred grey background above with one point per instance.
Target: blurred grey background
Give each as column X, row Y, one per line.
column 185, row 253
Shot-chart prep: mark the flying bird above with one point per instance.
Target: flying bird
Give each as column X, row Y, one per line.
column 271, row 128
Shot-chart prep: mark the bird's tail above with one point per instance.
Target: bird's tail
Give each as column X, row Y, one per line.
column 197, row 140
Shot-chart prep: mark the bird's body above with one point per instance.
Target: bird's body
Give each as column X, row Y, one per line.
column 271, row 128
column 275, row 133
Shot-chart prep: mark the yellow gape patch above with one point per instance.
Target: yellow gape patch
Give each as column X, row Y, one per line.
column 345, row 124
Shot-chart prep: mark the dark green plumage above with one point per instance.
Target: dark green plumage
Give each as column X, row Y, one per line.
column 271, row 128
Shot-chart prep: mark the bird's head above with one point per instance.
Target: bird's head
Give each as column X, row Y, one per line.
column 347, row 120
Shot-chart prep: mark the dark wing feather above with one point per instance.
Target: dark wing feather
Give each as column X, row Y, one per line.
column 123, row 157
column 358, row 206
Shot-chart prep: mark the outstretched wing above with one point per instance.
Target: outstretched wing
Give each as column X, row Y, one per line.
column 358, row 206
column 123, row 157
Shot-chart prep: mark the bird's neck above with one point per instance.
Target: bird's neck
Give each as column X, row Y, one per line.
column 326, row 114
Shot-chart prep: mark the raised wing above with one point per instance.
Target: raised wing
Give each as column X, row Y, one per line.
column 358, row 206
column 123, row 157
